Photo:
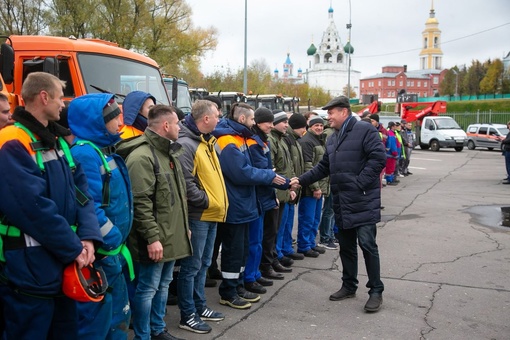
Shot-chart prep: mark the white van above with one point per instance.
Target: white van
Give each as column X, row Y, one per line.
column 441, row 132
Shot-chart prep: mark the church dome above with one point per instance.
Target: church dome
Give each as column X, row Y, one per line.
column 311, row 50
column 330, row 10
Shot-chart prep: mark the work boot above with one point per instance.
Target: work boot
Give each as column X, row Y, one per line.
column 342, row 294
column 374, row 303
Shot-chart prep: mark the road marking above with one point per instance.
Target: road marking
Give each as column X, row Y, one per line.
column 415, row 167
column 426, row 159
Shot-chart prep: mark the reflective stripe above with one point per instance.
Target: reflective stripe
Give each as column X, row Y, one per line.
column 105, row 228
column 227, row 275
column 242, row 269
column 48, row 156
column 111, row 163
column 30, row 241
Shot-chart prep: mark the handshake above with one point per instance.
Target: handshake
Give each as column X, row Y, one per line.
column 294, row 183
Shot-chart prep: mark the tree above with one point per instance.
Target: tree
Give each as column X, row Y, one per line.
column 492, row 82
column 22, row 17
column 471, row 82
column 352, row 93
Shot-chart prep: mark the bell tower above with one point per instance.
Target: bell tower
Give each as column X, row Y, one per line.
column 431, row 56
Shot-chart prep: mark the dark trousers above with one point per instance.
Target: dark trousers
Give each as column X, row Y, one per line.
column 234, row 253
column 365, row 236
column 507, row 164
column 271, row 223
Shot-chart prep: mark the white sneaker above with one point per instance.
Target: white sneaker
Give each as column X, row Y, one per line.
column 400, row 175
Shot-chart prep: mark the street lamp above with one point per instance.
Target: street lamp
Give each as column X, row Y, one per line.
column 245, row 73
column 456, row 83
column 348, row 49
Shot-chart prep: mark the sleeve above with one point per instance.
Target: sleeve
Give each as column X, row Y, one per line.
column 318, row 172
column 91, row 165
column 376, row 160
column 143, row 183
column 236, row 168
column 25, row 203
column 196, row 196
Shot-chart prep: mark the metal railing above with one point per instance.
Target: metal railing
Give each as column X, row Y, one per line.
column 464, row 119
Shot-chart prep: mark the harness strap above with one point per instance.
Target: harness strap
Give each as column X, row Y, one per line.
column 124, row 251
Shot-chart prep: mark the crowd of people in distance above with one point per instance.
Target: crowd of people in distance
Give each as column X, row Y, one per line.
column 117, row 211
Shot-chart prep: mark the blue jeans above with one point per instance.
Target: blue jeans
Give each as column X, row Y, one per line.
column 365, row 236
column 149, row 302
column 282, row 232
column 191, row 281
column 507, row 164
column 327, row 220
column 309, row 215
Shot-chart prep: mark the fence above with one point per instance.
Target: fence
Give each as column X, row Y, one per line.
column 466, row 118
column 464, row 98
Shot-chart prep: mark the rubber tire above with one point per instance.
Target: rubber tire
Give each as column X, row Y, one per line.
column 459, row 148
column 434, row 145
column 490, row 149
column 424, row 146
column 471, row 145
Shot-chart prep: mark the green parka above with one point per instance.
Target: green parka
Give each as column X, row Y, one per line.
column 159, row 194
column 282, row 161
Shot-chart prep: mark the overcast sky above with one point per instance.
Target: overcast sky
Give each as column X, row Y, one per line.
column 384, row 32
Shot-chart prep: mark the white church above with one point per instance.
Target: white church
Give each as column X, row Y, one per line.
column 328, row 65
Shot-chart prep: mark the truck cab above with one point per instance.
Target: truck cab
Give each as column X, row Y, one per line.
column 86, row 65
column 178, row 92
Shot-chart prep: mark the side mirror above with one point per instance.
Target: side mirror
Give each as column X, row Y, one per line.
column 7, row 63
column 50, row 65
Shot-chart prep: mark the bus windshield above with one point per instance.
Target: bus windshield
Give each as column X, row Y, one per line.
column 120, row 76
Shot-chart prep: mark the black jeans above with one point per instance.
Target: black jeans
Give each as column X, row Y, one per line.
column 271, row 224
column 365, row 236
column 234, row 253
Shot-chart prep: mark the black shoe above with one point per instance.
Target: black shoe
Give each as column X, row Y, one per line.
column 215, row 274
column 342, row 294
column 210, row 282
column 409, row 173
column 164, row 336
column 295, row 256
column 392, row 183
column 505, row 182
column 271, row 274
column 286, row 261
column 264, row 282
column 374, row 303
column 319, row 249
column 255, row 287
column 310, row 253
column 277, row 266
column 246, row 295
column 235, row 302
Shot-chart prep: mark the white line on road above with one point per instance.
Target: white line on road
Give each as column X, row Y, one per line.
column 426, row 159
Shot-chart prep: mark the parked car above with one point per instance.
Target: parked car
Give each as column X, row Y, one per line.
column 486, row 136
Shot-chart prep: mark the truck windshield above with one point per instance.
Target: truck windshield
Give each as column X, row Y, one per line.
column 121, row 76
column 444, row 124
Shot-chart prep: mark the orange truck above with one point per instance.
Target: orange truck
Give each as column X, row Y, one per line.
column 86, row 65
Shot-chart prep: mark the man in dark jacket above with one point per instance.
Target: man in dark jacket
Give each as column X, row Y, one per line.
column 44, row 193
column 354, row 159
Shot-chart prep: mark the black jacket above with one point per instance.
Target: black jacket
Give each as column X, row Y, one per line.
column 354, row 162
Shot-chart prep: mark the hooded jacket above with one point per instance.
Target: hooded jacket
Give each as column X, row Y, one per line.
column 282, row 161
column 159, row 195
column 134, row 123
column 206, row 190
column 354, row 162
column 43, row 205
column 241, row 177
column 85, row 117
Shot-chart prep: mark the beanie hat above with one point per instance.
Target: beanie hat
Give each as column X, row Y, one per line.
column 315, row 120
column 375, row 117
column 111, row 110
column 215, row 99
column 297, row 121
column 263, row 115
column 279, row 116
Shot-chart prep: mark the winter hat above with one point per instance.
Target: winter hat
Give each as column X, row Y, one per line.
column 316, row 120
column 375, row 117
column 111, row 110
column 391, row 124
column 263, row 115
column 216, row 100
column 279, row 116
column 297, row 121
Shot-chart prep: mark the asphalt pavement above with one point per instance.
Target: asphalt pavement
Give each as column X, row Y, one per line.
column 444, row 262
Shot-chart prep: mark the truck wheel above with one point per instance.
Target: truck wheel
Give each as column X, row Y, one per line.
column 459, row 148
column 424, row 146
column 471, row 145
column 490, row 149
column 434, row 145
